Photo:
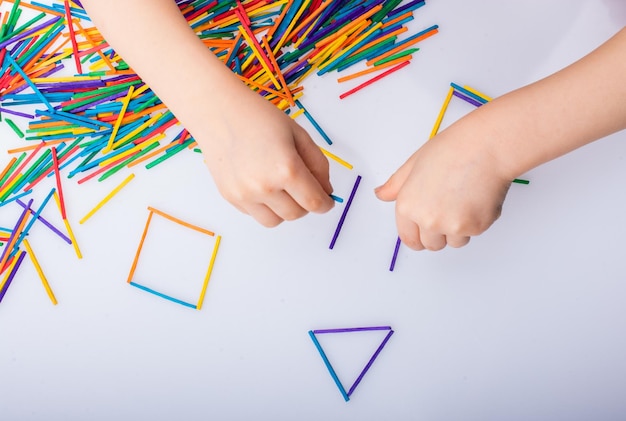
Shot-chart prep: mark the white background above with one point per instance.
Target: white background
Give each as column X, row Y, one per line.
column 526, row 322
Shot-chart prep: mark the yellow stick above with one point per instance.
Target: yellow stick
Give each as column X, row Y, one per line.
column 306, row 33
column 74, row 131
column 208, row 273
column 9, row 270
column 336, row 158
column 313, row 16
column 259, row 56
column 70, row 232
column 444, row 107
column 63, row 55
column 139, row 91
column 44, row 281
column 134, row 149
column 297, row 113
column 145, row 125
column 328, row 50
column 107, row 198
column 283, row 82
column 475, row 92
column 17, row 233
column 68, row 227
column 63, row 79
column 120, row 117
column 291, row 25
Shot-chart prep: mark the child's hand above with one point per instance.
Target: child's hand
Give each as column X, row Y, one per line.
column 263, row 162
column 446, row 192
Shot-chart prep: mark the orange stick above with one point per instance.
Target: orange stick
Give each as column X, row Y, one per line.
column 181, row 222
column 8, row 167
column 272, row 58
column 349, row 26
column 31, row 147
column 45, row 173
column 38, row 56
column 103, row 43
column 374, row 69
column 279, row 19
column 143, row 238
column 149, row 155
column 402, row 47
column 22, row 165
column 51, row 55
column 9, row 246
column 379, row 40
column 311, row 17
column 398, row 19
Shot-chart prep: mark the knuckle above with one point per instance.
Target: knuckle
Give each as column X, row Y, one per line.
column 233, row 196
column 430, row 223
column 435, row 246
column 287, row 171
column 292, row 215
column 403, row 209
column 458, row 242
column 269, row 222
column 457, row 228
column 412, row 242
column 314, row 203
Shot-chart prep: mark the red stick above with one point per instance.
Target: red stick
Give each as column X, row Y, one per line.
column 374, row 79
column 70, row 25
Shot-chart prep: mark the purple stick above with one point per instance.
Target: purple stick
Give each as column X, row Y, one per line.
column 330, row 28
column 46, row 74
column 14, row 232
column 406, row 6
column 352, row 329
column 17, row 113
column 29, row 32
column 395, row 255
column 70, row 86
column 369, row 363
column 345, row 212
column 12, row 275
column 48, row 224
column 293, row 71
column 99, row 101
column 466, row 98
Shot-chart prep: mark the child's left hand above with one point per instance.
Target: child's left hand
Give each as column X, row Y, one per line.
column 447, row 191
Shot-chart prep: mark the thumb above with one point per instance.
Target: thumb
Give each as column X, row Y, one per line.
column 389, row 191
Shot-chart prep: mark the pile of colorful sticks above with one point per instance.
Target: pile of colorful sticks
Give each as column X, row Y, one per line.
column 102, row 118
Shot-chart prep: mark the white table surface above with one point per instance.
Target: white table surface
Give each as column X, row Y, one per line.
column 525, row 323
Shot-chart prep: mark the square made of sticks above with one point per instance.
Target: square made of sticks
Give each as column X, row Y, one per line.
column 177, row 259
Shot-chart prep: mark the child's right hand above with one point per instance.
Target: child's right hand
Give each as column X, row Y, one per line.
column 263, row 162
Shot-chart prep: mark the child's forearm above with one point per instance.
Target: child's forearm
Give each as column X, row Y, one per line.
column 579, row 104
column 260, row 159
column 157, row 42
